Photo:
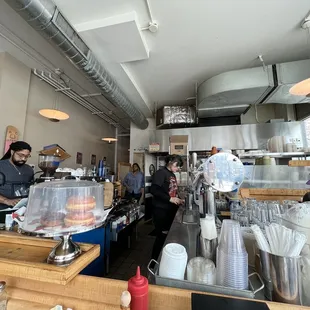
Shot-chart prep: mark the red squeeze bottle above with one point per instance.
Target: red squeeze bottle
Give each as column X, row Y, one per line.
column 138, row 287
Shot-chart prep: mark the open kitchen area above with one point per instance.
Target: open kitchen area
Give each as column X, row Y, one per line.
column 154, row 154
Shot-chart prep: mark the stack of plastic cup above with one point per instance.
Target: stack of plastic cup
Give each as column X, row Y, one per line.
column 173, row 261
column 201, row 270
column 232, row 257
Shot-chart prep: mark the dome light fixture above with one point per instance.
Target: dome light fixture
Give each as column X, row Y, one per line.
column 54, row 115
column 109, row 140
column 301, row 89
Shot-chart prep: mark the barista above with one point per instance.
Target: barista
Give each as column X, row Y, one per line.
column 15, row 176
column 165, row 201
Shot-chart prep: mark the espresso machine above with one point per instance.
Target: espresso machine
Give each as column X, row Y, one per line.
column 222, row 172
column 48, row 164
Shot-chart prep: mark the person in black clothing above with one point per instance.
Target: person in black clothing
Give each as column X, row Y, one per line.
column 165, row 200
column 306, row 197
column 15, row 176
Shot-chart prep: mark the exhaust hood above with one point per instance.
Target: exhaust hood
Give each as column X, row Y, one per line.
column 231, row 93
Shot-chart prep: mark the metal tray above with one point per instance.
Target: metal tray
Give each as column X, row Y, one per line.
column 193, row 286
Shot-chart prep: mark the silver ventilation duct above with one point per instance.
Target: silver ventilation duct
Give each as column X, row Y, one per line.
column 231, row 93
column 44, row 16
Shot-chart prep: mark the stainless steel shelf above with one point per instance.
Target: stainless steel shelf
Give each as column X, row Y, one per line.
column 275, row 155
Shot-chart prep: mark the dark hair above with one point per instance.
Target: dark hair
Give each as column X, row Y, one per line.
column 16, row 146
column 306, row 197
column 136, row 165
column 170, row 159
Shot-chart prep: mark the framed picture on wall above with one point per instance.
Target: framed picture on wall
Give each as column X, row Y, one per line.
column 93, row 160
column 79, row 158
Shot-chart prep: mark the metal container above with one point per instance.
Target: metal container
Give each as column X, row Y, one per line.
column 286, row 279
column 282, row 278
column 264, row 271
column 200, row 287
column 207, row 248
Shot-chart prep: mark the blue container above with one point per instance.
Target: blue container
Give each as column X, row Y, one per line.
column 99, row 267
column 101, row 168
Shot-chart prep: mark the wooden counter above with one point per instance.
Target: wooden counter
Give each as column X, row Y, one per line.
column 91, row 293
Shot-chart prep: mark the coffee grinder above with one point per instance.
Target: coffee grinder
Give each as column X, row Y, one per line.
column 48, row 164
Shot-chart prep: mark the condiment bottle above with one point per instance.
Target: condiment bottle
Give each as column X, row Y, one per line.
column 3, row 296
column 138, row 287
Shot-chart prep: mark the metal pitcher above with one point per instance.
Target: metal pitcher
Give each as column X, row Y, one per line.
column 208, row 248
column 264, row 271
column 284, row 274
column 209, row 201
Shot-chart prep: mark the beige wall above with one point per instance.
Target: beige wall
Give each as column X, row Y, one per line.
column 22, row 95
column 82, row 132
column 14, row 87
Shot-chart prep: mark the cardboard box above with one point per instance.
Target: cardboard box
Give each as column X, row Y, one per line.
column 178, row 145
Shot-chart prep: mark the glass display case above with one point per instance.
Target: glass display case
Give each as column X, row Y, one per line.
column 278, row 176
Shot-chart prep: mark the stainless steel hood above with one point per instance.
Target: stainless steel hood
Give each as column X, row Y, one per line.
column 237, row 137
column 231, row 93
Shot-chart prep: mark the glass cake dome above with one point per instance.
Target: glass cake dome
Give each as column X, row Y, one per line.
column 64, row 207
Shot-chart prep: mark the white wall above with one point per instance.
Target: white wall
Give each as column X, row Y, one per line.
column 22, row 95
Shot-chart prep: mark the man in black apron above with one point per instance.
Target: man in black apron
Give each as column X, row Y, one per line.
column 15, row 176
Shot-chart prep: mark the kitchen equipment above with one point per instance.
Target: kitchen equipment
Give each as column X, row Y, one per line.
column 173, row 261
column 63, row 208
column 224, row 172
column 48, row 164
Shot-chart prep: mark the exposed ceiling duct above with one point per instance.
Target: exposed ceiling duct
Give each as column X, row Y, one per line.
column 44, row 16
column 61, row 87
column 231, row 93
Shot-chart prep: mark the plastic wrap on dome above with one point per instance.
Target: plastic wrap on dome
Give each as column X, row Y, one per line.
column 64, row 207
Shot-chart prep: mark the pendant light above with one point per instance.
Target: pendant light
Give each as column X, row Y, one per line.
column 54, row 115
column 109, row 140
column 302, row 88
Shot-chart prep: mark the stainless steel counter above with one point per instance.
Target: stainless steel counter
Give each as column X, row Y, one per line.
column 185, row 234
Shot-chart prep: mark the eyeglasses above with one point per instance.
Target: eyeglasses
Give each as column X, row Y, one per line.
column 23, row 156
